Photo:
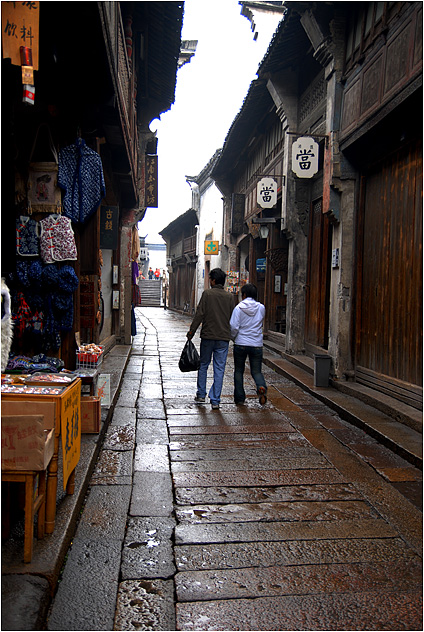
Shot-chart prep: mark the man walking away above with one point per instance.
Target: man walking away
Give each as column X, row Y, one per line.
column 214, row 312
column 246, row 330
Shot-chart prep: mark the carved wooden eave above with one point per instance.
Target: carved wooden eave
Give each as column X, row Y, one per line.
column 142, row 46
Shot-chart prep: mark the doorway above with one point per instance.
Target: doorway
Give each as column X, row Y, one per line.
column 317, row 307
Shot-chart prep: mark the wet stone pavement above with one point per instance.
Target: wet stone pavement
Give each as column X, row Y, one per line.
column 282, row 517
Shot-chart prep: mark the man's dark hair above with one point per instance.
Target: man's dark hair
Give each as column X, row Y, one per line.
column 218, row 276
column 250, row 291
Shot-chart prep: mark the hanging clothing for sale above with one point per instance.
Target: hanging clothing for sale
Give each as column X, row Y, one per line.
column 27, row 241
column 134, row 272
column 57, row 240
column 81, row 177
column 135, row 243
column 133, row 322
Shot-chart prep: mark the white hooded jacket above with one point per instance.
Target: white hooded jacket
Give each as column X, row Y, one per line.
column 246, row 323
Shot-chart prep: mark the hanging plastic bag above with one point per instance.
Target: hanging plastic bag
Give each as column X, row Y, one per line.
column 189, row 360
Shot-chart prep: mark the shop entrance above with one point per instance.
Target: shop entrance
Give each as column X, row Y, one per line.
column 277, row 257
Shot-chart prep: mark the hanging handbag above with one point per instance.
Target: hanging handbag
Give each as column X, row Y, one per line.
column 189, row 360
column 44, row 196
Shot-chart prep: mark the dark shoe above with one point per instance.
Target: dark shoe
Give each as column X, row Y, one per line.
column 262, row 395
column 200, row 400
column 240, row 403
column 215, row 406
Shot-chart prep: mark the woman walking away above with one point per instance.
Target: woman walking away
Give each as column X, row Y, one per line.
column 246, row 330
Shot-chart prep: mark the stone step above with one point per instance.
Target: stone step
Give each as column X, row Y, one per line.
column 398, row 436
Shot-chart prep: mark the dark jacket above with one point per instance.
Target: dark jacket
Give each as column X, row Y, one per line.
column 214, row 312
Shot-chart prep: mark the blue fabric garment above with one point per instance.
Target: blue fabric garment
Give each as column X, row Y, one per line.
column 81, row 177
column 27, row 241
column 255, row 360
column 68, row 280
column 219, row 350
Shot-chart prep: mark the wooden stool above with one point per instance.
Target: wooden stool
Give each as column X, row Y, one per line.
column 32, row 505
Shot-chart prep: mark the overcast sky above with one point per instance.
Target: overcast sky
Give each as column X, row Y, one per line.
column 209, row 94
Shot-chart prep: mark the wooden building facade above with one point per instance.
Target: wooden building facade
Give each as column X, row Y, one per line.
column 181, row 240
column 340, row 272
column 105, row 70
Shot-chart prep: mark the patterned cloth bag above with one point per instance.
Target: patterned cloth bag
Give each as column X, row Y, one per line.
column 44, row 196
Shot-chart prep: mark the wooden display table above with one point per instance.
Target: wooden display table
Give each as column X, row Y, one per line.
column 67, row 425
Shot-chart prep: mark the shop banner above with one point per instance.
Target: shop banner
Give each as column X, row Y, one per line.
column 70, row 428
column 20, row 22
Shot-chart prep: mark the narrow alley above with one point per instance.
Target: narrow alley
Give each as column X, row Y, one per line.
column 280, row 517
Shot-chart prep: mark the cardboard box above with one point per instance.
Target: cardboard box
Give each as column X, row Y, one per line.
column 47, row 409
column 90, row 414
column 25, row 444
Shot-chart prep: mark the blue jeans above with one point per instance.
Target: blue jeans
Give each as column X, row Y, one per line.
column 218, row 349
column 255, row 361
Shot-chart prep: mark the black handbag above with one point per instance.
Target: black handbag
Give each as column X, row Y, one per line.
column 189, row 360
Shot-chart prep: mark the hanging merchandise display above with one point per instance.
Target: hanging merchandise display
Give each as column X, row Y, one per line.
column 57, row 240
column 6, row 325
column 135, row 244
column 81, row 178
column 44, row 196
column 27, row 241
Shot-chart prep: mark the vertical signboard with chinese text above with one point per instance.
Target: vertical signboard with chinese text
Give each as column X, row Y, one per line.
column 109, row 227
column 237, row 213
column 70, row 429
column 151, row 187
column 20, row 22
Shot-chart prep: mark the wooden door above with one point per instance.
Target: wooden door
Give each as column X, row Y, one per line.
column 389, row 303
column 318, row 278
column 277, row 257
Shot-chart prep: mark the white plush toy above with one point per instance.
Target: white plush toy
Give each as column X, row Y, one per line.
column 6, row 325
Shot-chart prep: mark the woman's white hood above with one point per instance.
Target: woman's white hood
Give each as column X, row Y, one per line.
column 249, row 306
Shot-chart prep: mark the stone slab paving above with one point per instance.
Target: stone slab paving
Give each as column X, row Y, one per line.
column 152, row 431
column 226, row 495
column 175, row 431
column 247, row 518
column 246, row 453
column 400, row 576
column 275, row 512
column 281, row 440
column 266, row 515
column 292, row 552
column 145, row 605
column 152, row 494
column 147, row 550
column 257, row 464
column 282, row 531
column 350, row 611
column 86, row 595
column 255, row 479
